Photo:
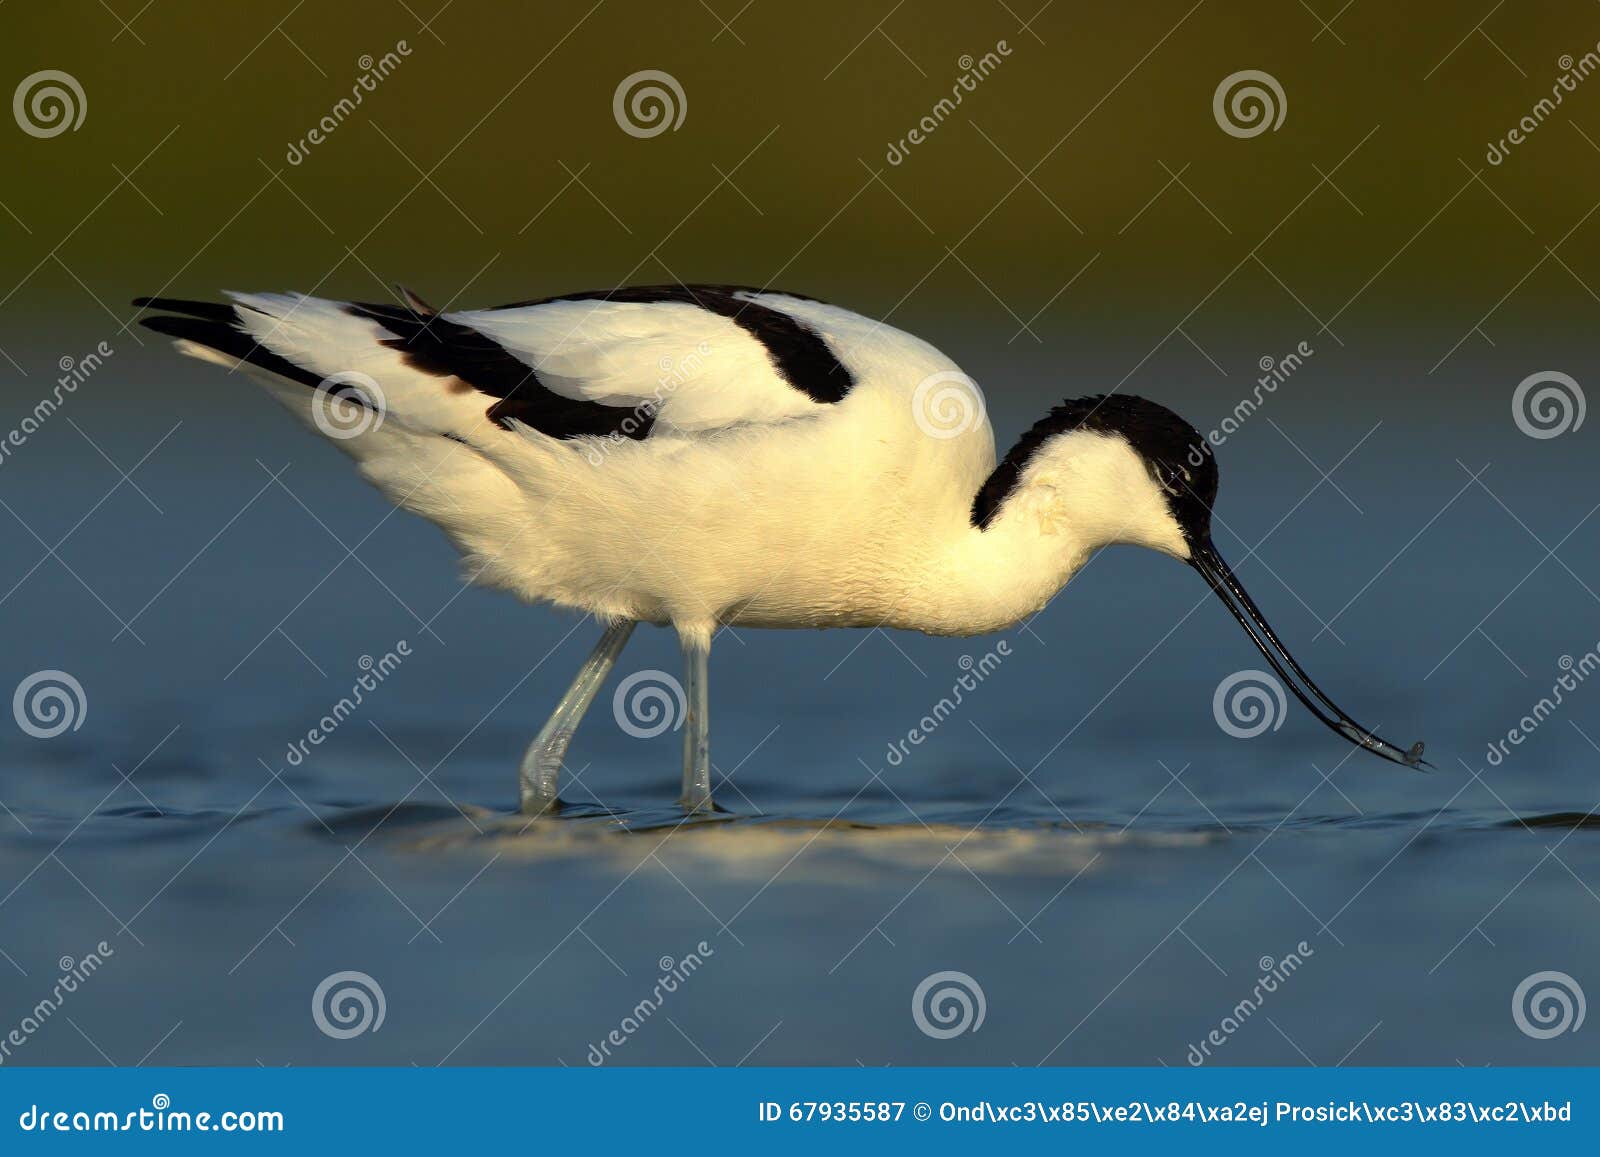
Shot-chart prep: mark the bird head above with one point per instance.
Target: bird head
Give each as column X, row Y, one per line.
column 1120, row 469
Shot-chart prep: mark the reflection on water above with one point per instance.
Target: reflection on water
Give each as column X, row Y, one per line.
column 733, row 844
column 818, row 849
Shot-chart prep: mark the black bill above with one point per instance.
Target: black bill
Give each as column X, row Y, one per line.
column 1205, row 559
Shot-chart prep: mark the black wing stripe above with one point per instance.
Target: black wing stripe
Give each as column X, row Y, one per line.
column 435, row 345
column 799, row 354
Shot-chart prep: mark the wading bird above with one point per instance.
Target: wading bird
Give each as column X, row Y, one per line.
column 702, row 455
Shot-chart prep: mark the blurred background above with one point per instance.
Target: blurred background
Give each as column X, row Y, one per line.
column 1083, row 842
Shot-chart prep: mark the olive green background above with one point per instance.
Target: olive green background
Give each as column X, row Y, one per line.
column 455, row 176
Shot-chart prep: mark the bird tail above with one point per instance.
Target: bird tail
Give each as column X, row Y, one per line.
column 226, row 335
column 309, row 354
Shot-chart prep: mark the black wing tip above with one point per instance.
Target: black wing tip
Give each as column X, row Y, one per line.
column 222, row 334
column 214, row 311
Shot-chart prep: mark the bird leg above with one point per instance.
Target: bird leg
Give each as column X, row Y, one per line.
column 541, row 765
column 697, row 730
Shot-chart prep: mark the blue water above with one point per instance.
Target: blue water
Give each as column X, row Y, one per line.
column 1080, row 837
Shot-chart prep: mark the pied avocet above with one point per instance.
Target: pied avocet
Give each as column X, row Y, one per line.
column 700, row 455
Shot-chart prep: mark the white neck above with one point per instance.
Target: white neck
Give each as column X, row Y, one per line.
column 1079, row 492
